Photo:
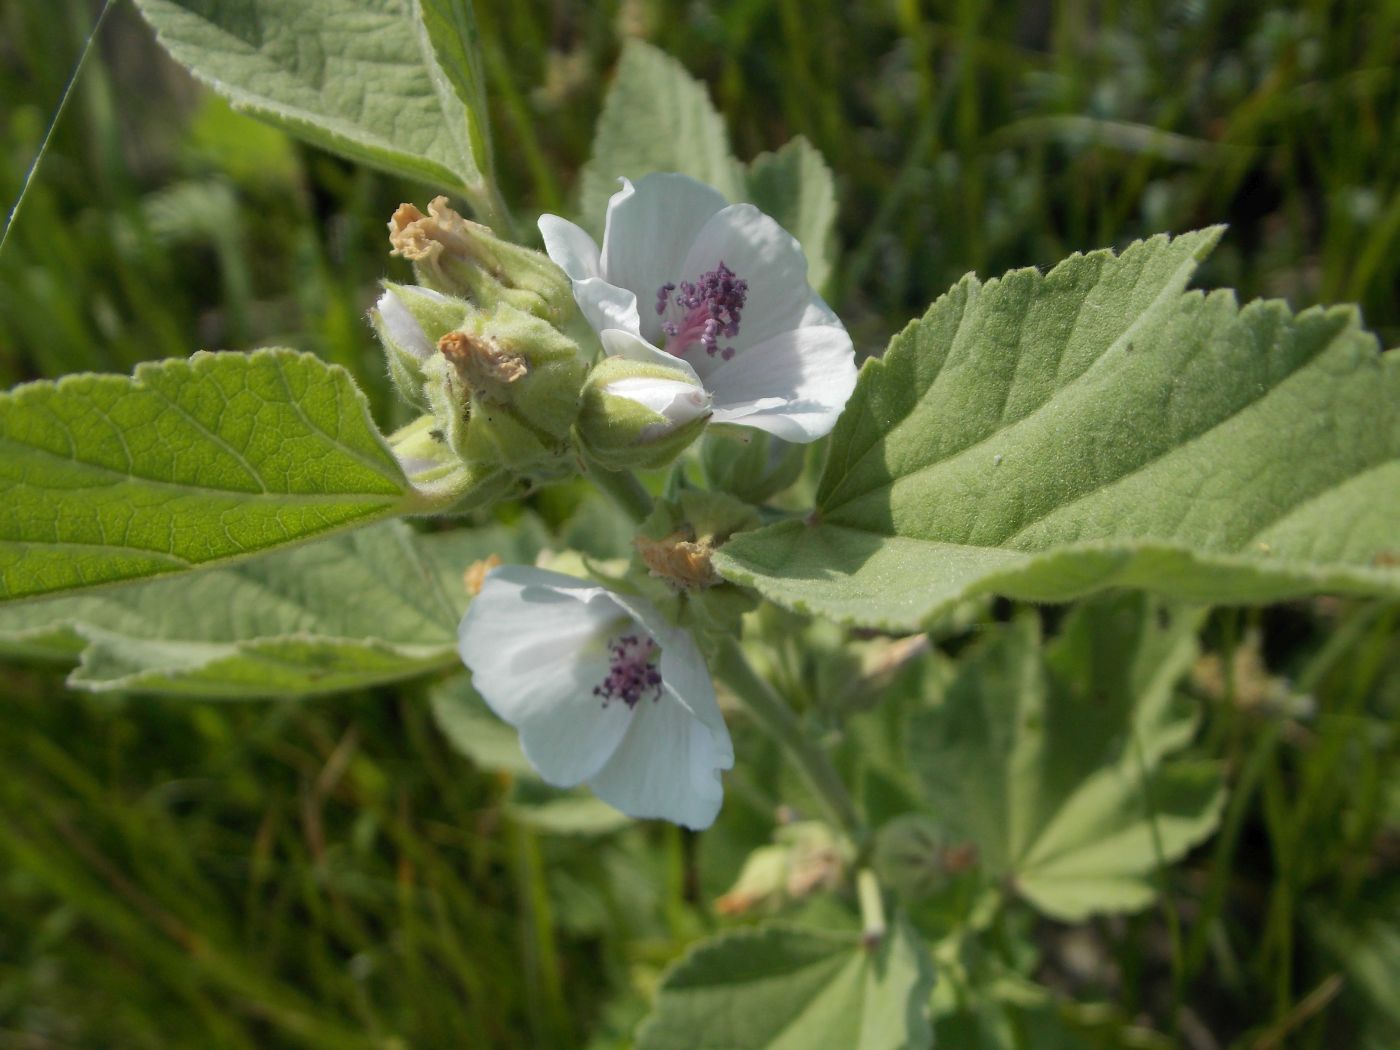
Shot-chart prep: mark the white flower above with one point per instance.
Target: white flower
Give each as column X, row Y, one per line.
column 717, row 290
column 603, row 691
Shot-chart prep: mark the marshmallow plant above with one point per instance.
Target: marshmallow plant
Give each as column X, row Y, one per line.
column 716, row 295
column 758, row 627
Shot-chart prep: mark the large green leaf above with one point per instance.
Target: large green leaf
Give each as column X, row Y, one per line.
column 788, row 988
column 369, row 79
column 657, row 117
column 1053, row 763
column 351, row 611
column 795, row 186
column 1046, row 436
column 188, row 463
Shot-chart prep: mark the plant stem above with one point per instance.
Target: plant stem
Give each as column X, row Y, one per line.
column 872, row 907
column 624, row 489
column 777, row 719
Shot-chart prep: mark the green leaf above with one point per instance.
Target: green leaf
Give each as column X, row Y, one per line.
column 365, row 78
column 450, row 26
column 474, row 730
column 1047, row 436
column 789, row 988
column 1052, row 763
column 552, row 812
column 344, row 613
column 795, row 186
column 452, row 552
column 186, row 464
column 657, row 117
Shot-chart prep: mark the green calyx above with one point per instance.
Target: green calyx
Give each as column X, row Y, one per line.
column 441, row 478
column 749, row 464
column 504, row 390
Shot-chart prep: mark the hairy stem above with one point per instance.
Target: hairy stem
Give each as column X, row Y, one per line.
column 624, row 489
column 778, row 720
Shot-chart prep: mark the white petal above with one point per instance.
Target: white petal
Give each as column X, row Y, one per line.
column 668, row 765
column 683, row 672
column 650, row 228
column 678, row 400
column 607, row 306
column 572, row 250
column 769, row 258
column 402, row 326
column 620, row 343
column 535, row 642
column 813, row 371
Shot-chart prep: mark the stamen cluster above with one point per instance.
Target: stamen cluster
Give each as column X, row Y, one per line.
column 711, row 306
column 633, row 674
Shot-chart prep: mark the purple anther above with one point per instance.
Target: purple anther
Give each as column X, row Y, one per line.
column 702, row 311
column 633, row 673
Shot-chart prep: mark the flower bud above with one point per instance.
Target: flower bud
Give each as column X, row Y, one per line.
column 749, row 464
column 504, row 386
column 638, row 414
column 409, row 320
column 441, row 479
column 915, row 855
column 466, row 259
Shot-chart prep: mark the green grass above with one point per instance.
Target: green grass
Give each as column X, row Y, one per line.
column 330, row 874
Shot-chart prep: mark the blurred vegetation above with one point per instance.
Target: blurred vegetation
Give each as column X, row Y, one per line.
column 329, row 874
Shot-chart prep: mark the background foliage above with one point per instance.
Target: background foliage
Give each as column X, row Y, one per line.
column 332, row 873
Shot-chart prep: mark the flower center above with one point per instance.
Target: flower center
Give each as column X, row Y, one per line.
column 633, row 674
column 702, row 311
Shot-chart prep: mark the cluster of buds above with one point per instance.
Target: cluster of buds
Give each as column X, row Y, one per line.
column 490, row 345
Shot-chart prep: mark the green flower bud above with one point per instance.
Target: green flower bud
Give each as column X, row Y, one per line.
column 410, row 320
column 750, row 464
column 463, row 258
column 806, row 858
column 504, row 387
column 915, row 855
column 439, row 476
column 638, row 414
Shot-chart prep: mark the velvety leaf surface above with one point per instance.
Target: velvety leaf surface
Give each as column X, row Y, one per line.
column 351, row 611
column 1046, row 436
column 787, row 988
column 795, row 186
column 1053, row 763
column 360, row 77
column 656, row 117
column 187, row 463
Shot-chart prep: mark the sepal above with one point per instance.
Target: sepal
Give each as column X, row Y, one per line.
column 504, row 387
column 409, row 320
